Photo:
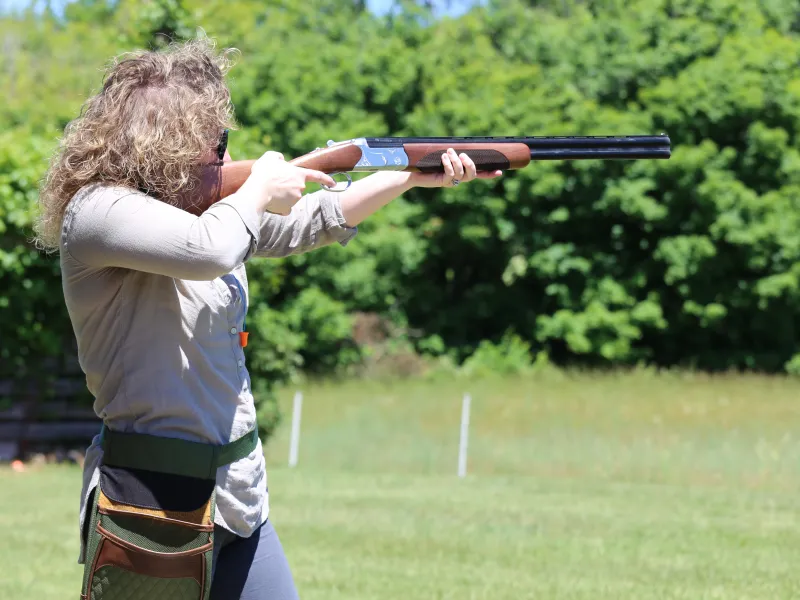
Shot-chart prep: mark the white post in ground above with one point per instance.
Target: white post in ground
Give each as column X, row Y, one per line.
column 462, row 445
column 294, row 443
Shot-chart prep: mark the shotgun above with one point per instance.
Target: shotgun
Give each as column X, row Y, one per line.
column 423, row 154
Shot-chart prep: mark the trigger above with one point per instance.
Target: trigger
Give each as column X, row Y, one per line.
column 337, row 189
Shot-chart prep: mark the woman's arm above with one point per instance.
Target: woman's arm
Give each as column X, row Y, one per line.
column 366, row 196
column 315, row 221
column 108, row 226
column 117, row 227
column 324, row 217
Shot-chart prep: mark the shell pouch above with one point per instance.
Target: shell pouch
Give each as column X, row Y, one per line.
column 150, row 536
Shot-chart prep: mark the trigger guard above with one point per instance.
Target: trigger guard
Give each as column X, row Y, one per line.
column 336, row 189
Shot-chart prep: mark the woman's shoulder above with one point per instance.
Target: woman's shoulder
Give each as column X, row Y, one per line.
column 88, row 209
column 95, row 201
column 99, row 193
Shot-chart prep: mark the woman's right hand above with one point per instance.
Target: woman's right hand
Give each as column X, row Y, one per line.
column 278, row 184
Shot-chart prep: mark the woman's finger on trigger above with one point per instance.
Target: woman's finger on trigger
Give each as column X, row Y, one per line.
column 319, row 177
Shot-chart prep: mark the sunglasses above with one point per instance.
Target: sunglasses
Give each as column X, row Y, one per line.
column 223, row 145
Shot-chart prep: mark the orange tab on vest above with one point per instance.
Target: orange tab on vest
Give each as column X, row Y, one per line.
column 243, row 338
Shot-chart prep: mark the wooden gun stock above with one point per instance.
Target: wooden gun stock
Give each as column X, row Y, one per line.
column 423, row 154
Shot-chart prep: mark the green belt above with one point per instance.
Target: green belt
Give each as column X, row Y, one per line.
column 172, row 455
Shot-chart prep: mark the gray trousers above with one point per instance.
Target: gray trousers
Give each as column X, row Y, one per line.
column 253, row 568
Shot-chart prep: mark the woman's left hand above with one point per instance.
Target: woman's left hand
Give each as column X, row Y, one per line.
column 457, row 169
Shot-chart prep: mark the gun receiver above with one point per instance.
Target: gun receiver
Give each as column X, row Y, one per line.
column 423, row 154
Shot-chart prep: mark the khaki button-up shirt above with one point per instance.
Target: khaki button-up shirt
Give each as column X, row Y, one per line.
column 157, row 298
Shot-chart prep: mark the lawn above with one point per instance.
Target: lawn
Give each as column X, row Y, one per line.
column 623, row 487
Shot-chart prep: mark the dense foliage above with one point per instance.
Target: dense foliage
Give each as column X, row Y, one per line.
column 693, row 261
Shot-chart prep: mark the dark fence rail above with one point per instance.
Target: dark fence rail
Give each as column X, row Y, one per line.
column 58, row 428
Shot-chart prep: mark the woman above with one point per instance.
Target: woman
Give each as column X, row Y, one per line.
column 174, row 491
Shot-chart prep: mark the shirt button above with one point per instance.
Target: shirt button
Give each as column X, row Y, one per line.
column 233, row 330
column 240, row 362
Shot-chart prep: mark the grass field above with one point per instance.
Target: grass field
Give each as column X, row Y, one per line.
column 627, row 487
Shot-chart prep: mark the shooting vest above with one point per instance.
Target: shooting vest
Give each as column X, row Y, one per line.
column 151, row 517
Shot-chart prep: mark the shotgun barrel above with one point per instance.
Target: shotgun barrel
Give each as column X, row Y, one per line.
column 549, row 141
column 551, row 147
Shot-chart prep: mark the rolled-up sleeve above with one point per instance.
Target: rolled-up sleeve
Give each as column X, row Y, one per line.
column 117, row 227
column 315, row 221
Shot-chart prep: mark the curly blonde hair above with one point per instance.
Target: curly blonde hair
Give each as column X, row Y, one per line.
column 158, row 114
